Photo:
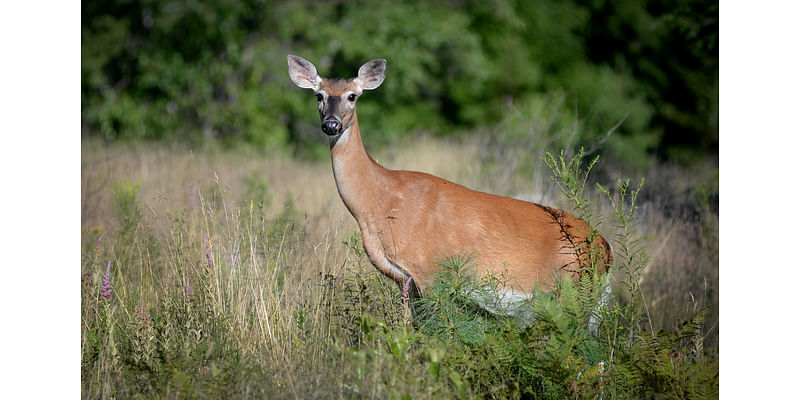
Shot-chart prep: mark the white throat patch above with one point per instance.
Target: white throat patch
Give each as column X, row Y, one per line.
column 344, row 136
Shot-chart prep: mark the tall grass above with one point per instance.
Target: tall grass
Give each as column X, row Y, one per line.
column 242, row 276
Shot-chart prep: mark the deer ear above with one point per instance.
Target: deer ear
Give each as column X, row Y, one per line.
column 303, row 73
column 371, row 74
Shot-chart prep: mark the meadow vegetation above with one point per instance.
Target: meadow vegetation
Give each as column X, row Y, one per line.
column 230, row 274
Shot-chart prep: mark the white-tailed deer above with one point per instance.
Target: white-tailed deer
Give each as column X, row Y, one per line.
column 410, row 220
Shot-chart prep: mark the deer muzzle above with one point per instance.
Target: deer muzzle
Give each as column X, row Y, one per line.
column 331, row 126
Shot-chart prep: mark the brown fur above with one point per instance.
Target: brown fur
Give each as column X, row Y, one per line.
column 412, row 219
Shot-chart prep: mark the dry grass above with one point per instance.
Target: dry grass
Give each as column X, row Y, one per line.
column 172, row 177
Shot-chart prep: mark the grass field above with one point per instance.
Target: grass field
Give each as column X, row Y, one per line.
column 239, row 274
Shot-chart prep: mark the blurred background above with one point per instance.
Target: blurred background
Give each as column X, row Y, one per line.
column 196, row 72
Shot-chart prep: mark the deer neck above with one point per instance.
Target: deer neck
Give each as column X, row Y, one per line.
column 359, row 179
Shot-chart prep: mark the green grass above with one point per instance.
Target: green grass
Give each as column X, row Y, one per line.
column 231, row 294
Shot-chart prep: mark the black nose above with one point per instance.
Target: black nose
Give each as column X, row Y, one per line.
column 331, row 126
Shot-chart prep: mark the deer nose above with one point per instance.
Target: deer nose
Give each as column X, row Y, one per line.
column 331, row 126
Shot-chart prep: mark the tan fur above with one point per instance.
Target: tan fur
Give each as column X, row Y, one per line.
column 413, row 219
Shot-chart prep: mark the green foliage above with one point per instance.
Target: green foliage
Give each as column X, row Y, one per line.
column 450, row 309
column 194, row 71
column 631, row 256
column 674, row 58
column 554, row 356
column 567, row 175
column 176, row 348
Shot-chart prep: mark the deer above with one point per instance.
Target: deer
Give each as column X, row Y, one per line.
column 409, row 221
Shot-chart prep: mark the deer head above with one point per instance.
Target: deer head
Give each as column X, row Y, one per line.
column 336, row 98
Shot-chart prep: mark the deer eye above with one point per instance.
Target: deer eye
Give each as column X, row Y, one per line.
column 319, row 96
column 352, row 97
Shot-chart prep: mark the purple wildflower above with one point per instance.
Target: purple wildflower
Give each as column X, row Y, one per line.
column 186, row 288
column 105, row 290
column 100, row 239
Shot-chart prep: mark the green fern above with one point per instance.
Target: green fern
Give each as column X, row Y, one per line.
column 450, row 309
